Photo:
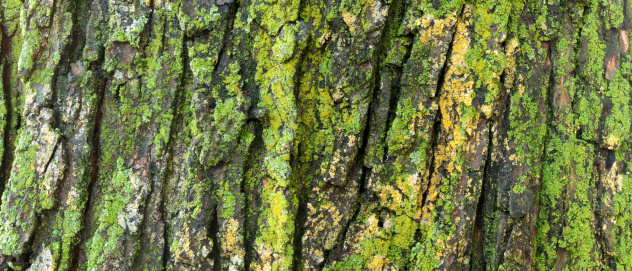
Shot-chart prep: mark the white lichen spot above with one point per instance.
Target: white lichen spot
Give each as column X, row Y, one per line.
column 44, row 261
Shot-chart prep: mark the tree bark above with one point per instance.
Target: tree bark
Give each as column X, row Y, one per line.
column 315, row 135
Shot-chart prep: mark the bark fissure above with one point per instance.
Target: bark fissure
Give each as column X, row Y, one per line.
column 478, row 231
column 362, row 197
column 7, row 155
column 394, row 99
column 215, row 252
column 302, row 191
column 393, row 22
column 436, row 124
column 177, row 112
column 301, row 217
column 94, row 141
column 249, row 250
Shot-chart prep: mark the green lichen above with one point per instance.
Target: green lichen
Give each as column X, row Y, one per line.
column 568, row 177
column 116, row 196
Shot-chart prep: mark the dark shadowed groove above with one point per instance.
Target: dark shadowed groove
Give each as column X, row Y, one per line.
column 94, row 171
column 302, row 195
column 434, row 136
column 395, row 92
column 7, row 156
column 549, row 116
column 436, row 127
column 301, row 190
column 500, row 119
column 213, row 229
column 399, row 70
column 66, row 55
column 257, row 143
column 178, row 113
column 50, row 159
column 299, row 227
column 177, row 101
column 491, row 197
column 232, row 14
column 549, row 133
column 95, row 148
column 147, row 30
column 478, row 243
column 393, row 21
column 169, row 151
column 355, row 210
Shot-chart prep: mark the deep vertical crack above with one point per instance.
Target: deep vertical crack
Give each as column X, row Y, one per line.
column 215, row 253
column 169, row 152
column 94, row 170
column 178, row 102
column 257, row 143
column 7, row 156
column 395, row 92
column 355, row 211
column 94, row 158
column 75, row 40
column 393, row 21
column 477, row 242
column 300, row 189
column 436, row 127
column 299, row 227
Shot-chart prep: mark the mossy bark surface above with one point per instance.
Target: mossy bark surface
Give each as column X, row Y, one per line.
column 315, row 135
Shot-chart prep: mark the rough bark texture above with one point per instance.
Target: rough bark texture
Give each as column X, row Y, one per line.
column 315, row 135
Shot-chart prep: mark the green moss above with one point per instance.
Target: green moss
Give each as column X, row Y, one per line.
column 402, row 131
column 567, row 177
column 485, row 58
column 592, row 57
column 623, row 216
column 11, row 11
column 123, row 30
column 371, row 245
column 277, row 59
column 617, row 124
column 116, row 196
column 202, row 19
column 426, row 252
column 27, row 194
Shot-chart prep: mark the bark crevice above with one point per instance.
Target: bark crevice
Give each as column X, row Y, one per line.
column 436, row 124
column 94, row 139
column 478, row 233
column 7, row 156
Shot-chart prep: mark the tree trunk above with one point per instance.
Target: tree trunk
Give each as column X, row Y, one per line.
column 315, row 135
